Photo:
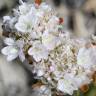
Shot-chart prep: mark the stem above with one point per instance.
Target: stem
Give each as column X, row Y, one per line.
column 78, row 93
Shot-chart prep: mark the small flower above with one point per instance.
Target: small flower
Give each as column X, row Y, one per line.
column 6, row 18
column 37, row 12
column 50, row 41
column 24, row 9
column 12, row 51
column 67, row 85
column 45, row 91
column 38, row 51
column 24, row 24
column 86, row 57
column 40, row 73
column 52, row 24
column 46, row 8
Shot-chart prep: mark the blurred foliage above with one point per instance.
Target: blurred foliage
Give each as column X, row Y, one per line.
column 92, row 91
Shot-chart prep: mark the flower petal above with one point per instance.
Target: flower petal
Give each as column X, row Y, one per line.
column 9, row 50
column 24, row 9
column 50, row 41
column 38, row 51
column 9, row 41
column 24, row 24
column 6, row 18
column 5, row 50
column 21, row 55
column 12, row 57
column 86, row 57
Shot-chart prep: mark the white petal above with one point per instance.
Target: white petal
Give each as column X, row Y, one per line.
column 9, row 50
column 20, row 27
column 38, row 51
column 21, row 2
column 6, row 18
column 24, row 24
column 21, row 56
column 40, row 14
column 9, row 41
column 86, row 57
column 37, row 58
column 20, row 43
column 40, row 73
column 4, row 51
column 65, row 86
column 50, row 41
column 45, row 90
column 24, row 9
column 35, row 49
column 30, row 51
column 12, row 57
column 45, row 7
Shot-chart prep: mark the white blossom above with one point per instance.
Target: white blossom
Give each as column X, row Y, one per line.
column 24, row 24
column 67, row 85
column 24, row 9
column 52, row 24
column 12, row 51
column 38, row 51
column 86, row 57
column 40, row 73
column 50, row 41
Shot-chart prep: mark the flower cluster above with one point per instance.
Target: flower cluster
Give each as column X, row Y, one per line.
column 59, row 61
column 69, row 66
column 38, row 27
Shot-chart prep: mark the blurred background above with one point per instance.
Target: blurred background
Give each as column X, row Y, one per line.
column 79, row 19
